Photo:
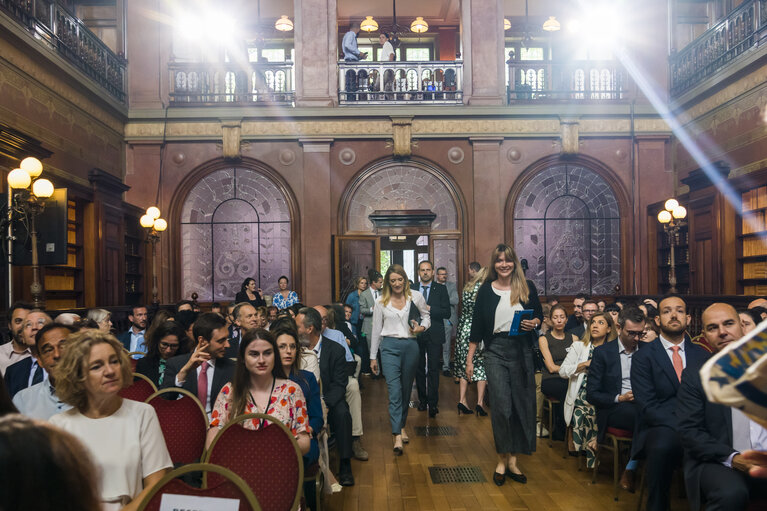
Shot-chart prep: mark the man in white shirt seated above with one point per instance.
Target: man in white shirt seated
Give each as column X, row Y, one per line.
column 16, row 350
column 40, row 401
column 133, row 338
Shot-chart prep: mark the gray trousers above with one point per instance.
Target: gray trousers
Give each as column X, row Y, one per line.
column 399, row 359
column 511, row 383
column 446, row 347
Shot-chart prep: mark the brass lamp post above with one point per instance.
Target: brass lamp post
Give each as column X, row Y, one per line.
column 28, row 195
column 154, row 225
column 672, row 219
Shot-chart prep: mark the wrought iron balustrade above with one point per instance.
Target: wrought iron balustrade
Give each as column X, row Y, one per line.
column 719, row 46
column 571, row 80
column 216, row 83
column 70, row 38
column 387, row 83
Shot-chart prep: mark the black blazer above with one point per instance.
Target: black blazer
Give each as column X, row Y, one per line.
column 439, row 303
column 333, row 372
column 573, row 322
column 150, row 367
column 222, row 374
column 17, row 376
column 604, row 381
column 242, row 297
column 124, row 338
column 654, row 382
column 577, row 330
column 483, row 320
column 705, row 430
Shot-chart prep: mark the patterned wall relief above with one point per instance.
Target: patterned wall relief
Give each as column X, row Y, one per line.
column 235, row 223
column 567, row 226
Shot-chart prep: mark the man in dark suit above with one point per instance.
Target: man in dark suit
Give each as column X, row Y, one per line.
column 334, row 378
column 656, row 370
column 245, row 318
column 28, row 371
column 206, row 370
column 133, row 338
column 589, row 308
column 430, row 342
column 608, row 386
column 714, row 435
column 575, row 319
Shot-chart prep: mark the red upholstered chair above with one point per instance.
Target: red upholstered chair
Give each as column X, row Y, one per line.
column 313, row 474
column 141, row 388
column 268, row 459
column 184, row 424
column 229, row 486
column 614, row 440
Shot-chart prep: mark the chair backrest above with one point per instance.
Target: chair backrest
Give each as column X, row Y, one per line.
column 269, row 460
column 141, row 388
column 229, row 486
column 184, row 424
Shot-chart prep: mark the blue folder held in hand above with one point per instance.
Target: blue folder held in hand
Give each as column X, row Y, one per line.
column 519, row 315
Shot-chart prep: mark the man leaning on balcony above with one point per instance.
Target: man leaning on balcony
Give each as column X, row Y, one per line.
column 349, row 44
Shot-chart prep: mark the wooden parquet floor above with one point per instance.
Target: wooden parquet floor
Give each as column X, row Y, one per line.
column 389, row 483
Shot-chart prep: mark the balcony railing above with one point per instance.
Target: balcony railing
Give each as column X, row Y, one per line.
column 53, row 24
column 719, row 46
column 571, row 80
column 388, row 83
column 196, row 83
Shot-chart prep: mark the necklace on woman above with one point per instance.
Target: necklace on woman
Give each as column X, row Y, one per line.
column 268, row 400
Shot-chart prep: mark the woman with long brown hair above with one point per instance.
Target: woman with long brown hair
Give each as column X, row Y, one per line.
column 259, row 385
column 395, row 327
column 508, row 358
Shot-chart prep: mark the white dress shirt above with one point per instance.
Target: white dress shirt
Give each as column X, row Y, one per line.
column 208, row 404
column 388, row 321
column 137, row 342
column 667, row 346
column 625, row 358
column 746, row 434
column 39, row 401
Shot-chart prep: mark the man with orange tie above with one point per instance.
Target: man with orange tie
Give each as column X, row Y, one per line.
column 656, row 372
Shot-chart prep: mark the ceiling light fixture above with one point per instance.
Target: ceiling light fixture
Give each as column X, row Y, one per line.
column 419, row 26
column 551, row 24
column 506, row 24
column 369, row 24
column 283, row 24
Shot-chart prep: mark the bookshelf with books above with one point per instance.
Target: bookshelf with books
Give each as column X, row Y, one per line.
column 134, row 261
column 752, row 246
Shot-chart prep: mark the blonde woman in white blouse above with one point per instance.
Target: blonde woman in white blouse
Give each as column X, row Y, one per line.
column 395, row 331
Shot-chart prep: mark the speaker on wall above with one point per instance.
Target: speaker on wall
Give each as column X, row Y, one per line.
column 51, row 233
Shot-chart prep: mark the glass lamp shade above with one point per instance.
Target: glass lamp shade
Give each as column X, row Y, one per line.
column 146, row 221
column 283, row 24
column 671, row 204
column 153, row 212
column 33, row 166
column 551, row 24
column 506, row 24
column 19, row 179
column 419, row 26
column 679, row 212
column 160, row 225
column 369, row 24
column 42, row 188
column 664, row 217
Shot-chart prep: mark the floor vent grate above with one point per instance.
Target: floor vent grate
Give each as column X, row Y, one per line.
column 460, row 474
column 435, row 431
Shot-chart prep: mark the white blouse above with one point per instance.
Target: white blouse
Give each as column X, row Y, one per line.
column 388, row 321
column 504, row 312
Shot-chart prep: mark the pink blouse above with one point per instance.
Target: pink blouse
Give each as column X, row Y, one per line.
column 287, row 404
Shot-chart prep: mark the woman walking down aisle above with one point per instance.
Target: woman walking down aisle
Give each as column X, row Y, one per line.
column 576, row 367
column 508, row 358
column 395, row 327
column 468, row 297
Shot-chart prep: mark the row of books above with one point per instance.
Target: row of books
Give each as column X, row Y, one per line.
column 754, row 199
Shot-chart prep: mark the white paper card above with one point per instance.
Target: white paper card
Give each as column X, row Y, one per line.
column 173, row 502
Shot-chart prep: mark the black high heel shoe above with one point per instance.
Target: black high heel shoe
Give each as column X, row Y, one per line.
column 481, row 411
column 464, row 409
column 520, row 478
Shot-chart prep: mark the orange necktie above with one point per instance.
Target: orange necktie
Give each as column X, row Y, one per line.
column 676, row 359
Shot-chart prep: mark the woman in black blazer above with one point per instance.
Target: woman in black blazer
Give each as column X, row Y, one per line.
column 166, row 341
column 250, row 294
column 508, row 359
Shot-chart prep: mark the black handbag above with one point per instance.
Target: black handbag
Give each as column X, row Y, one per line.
column 537, row 355
column 413, row 314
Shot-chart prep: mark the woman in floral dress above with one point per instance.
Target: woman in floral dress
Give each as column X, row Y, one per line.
column 468, row 296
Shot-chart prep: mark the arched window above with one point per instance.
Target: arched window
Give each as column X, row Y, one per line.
column 235, row 223
column 567, row 226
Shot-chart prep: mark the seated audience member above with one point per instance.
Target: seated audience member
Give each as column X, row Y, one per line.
column 601, row 304
column 123, row 436
column 613, row 310
column 259, row 385
column 749, row 318
column 216, row 307
column 759, row 302
column 186, row 319
column 206, row 370
column 335, row 377
column 185, row 305
column 284, row 298
column 244, row 316
column 86, row 324
column 576, row 318
column 16, row 350
column 579, row 413
column 261, row 321
column 160, row 317
column 271, row 313
column 44, row 468
column 249, row 293
column 40, row 400
column 554, row 346
column 656, row 370
column 589, row 309
column 353, row 396
column 27, row 372
column 134, row 339
column 293, row 309
column 651, row 324
column 167, row 341
column 609, row 383
column 67, row 318
column 714, row 436
column 103, row 319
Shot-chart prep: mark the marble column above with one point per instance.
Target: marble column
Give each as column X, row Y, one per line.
column 316, row 46
column 488, row 197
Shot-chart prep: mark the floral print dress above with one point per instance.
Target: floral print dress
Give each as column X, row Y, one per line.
column 287, row 404
column 462, row 338
column 283, row 303
column 584, row 421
